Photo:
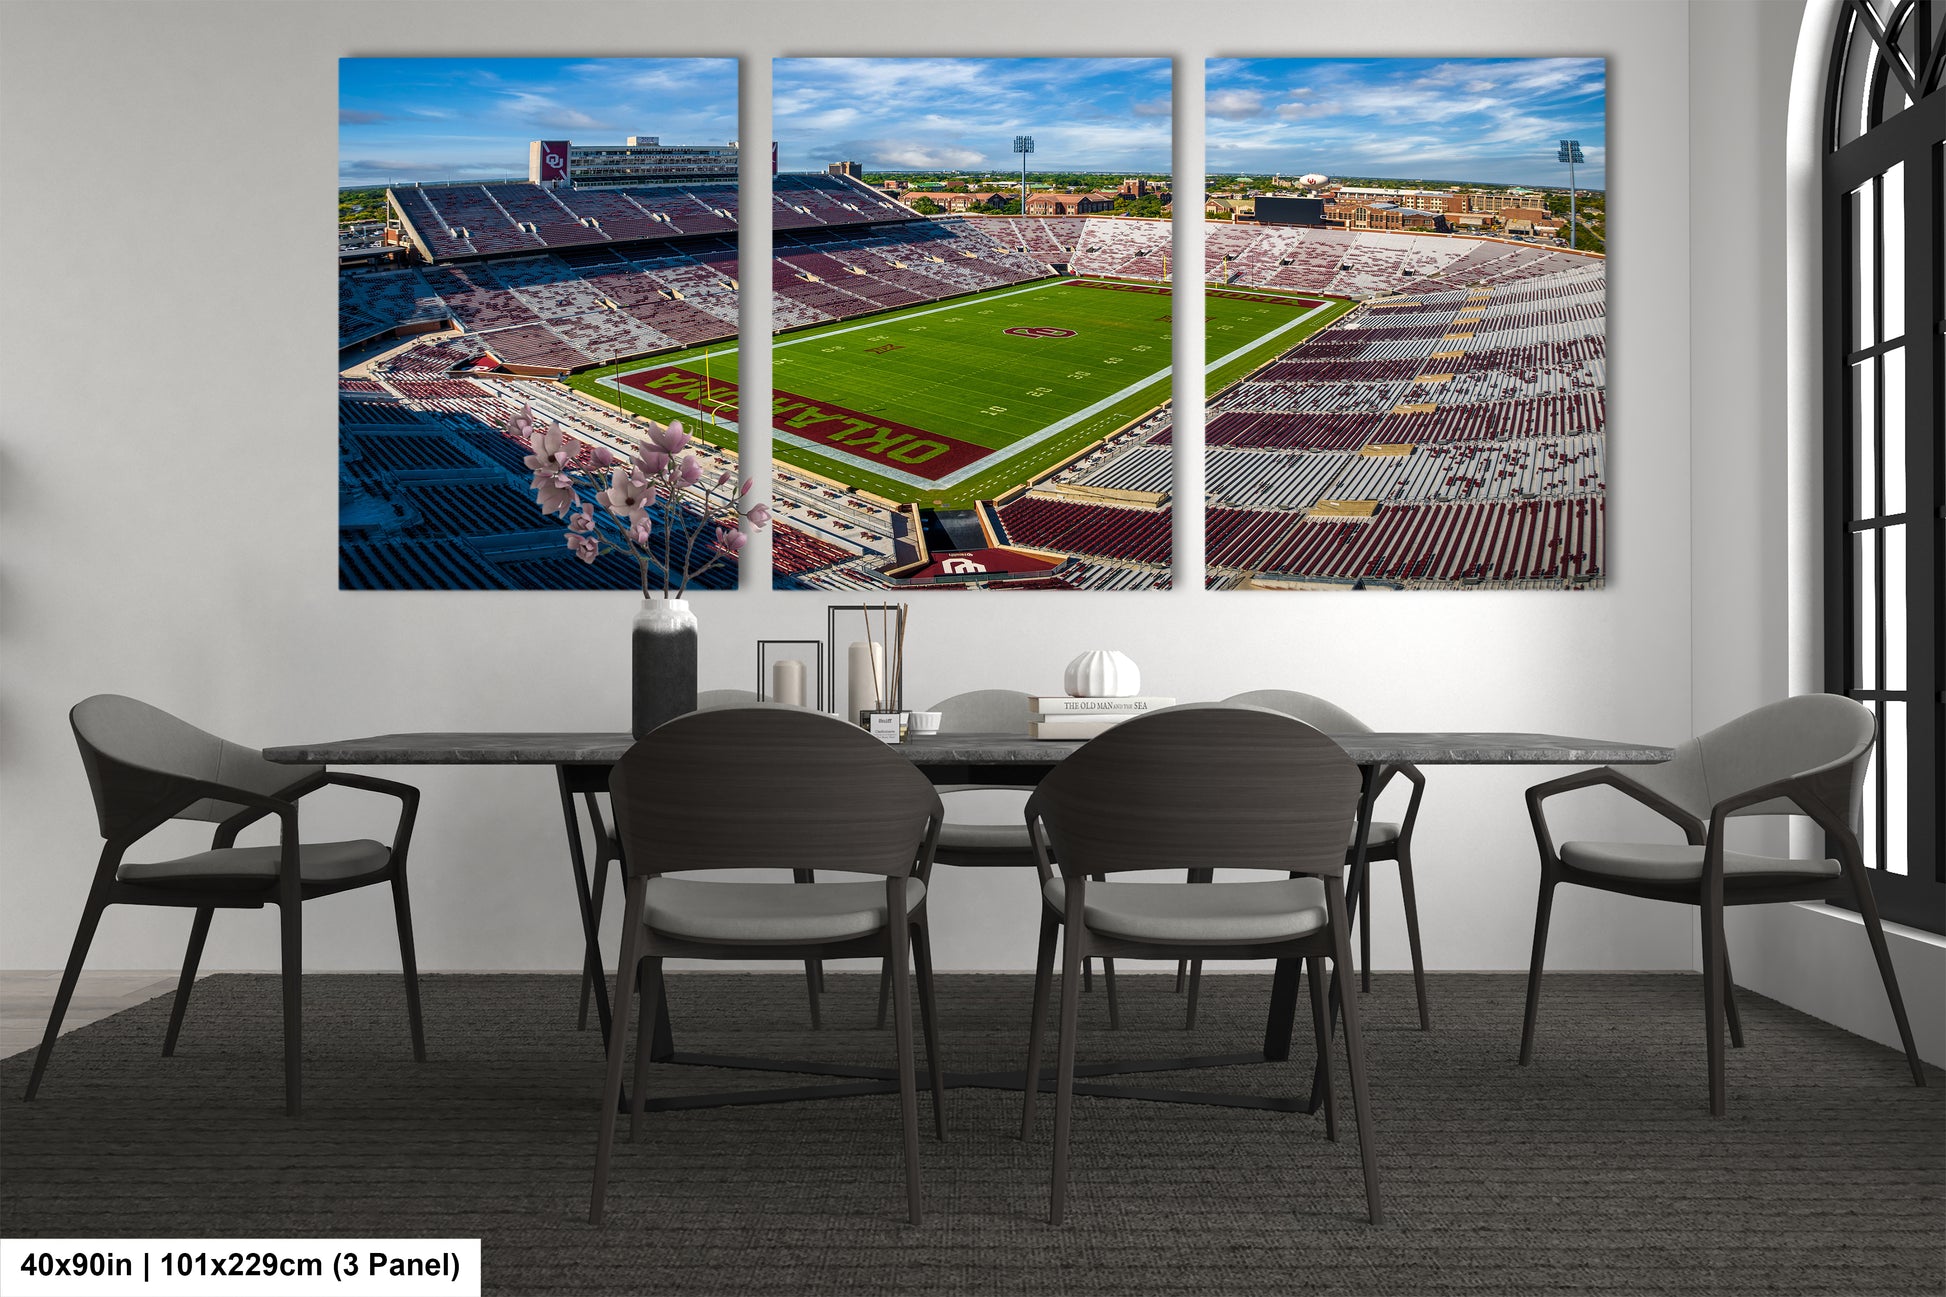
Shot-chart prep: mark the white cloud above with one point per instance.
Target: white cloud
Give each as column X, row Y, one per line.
column 1234, row 105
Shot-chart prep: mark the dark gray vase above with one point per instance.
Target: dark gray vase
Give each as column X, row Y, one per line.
column 663, row 663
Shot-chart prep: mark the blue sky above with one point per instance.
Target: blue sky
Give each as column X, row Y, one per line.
column 1493, row 120
column 962, row 114
column 456, row 119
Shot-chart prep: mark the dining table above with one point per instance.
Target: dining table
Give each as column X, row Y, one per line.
column 582, row 762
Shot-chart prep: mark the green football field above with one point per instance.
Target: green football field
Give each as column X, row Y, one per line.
column 958, row 401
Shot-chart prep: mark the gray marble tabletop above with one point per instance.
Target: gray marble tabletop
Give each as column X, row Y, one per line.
column 553, row 749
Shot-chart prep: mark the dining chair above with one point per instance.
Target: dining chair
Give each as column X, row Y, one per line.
column 145, row 768
column 1802, row 756
column 608, row 852
column 1386, row 841
column 1203, row 786
column 993, row 846
column 757, row 788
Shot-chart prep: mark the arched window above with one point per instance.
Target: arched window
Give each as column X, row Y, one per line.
column 1884, row 243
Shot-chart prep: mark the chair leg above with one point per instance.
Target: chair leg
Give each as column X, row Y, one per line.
column 1087, row 977
column 1713, row 997
column 1543, row 909
column 77, row 956
column 1043, row 980
column 1321, row 1026
column 1071, row 961
column 1114, row 1006
column 813, row 968
column 1361, row 1105
column 649, row 973
column 611, row 1093
column 929, row 1022
column 897, row 934
column 198, row 933
column 1192, row 967
column 1730, row 1001
column 409, row 961
column 884, row 989
column 1868, row 911
column 1365, row 927
column 1412, row 934
column 291, row 919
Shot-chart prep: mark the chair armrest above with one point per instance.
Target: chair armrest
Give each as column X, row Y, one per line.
column 1418, row 781
column 227, row 831
column 1607, row 776
column 1804, row 790
column 1037, row 838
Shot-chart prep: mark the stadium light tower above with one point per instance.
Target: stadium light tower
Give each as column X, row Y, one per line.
column 1023, row 145
column 1570, row 153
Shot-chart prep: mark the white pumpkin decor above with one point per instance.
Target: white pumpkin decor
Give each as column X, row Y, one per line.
column 1103, row 673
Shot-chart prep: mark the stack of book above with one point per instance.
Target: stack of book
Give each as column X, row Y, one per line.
column 1083, row 718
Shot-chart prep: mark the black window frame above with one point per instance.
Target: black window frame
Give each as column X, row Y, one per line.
column 1904, row 58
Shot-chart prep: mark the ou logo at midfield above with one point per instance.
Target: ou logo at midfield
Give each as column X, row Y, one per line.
column 1041, row 333
column 961, row 566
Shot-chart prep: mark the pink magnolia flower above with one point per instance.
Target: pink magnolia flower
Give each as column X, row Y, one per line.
column 745, row 488
column 729, row 540
column 625, row 496
column 586, row 548
column 600, row 455
column 671, row 439
column 555, row 492
column 583, row 522
column 723, row 478
column 639, row 533
column 650, row 460
column 689, row 471
column 759, row 515
column 549, row 447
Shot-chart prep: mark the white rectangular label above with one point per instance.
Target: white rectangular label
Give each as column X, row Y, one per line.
column 254, row 1267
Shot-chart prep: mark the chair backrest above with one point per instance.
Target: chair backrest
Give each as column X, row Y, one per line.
column 135, row 756
column 1205, row 785
column 1325, row 717
column 985, row 711
column 709, row 698
column 770, row 787
column 1776, row 741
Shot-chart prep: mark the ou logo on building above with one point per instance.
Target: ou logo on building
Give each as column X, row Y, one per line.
column 1041, row 333
column 962, row 566
column 554, row 159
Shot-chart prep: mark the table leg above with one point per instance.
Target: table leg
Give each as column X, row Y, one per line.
column 584, row 895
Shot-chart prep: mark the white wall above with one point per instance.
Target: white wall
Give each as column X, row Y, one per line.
column 168, row 489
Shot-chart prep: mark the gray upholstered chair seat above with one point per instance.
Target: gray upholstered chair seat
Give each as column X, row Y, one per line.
column 1383, row 833
column 780, row 913
column 318, row 862
column 1199, row 912
column 1657, row 862
column 983, row 837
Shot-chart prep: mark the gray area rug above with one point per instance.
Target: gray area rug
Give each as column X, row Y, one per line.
column 1596, row 1170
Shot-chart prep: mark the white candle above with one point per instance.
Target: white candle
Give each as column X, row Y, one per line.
column 867, row 662
column 787, row 681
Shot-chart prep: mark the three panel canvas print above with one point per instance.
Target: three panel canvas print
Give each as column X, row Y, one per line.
column 972, row 318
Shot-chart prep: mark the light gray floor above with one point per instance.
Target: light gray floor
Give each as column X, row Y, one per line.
column 26, row 998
